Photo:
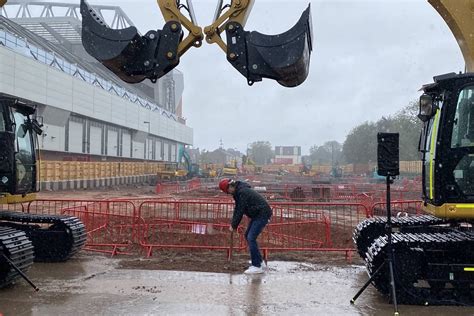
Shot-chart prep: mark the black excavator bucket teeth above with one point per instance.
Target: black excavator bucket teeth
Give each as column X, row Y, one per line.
column 284, row 57
column 132, row 57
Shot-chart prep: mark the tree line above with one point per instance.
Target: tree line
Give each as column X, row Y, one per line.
column 360, row 145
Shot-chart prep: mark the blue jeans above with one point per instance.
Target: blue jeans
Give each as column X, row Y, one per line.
column 254, row 229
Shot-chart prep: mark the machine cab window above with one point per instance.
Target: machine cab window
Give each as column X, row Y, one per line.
column 2, row 120
column 24, row 155
column 462, row 141
column 463, row 124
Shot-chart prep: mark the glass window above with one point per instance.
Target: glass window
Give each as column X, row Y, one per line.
column 463, row 125
column 24, row 157
column 429, row 132
column 464, row 175
column 2, row 120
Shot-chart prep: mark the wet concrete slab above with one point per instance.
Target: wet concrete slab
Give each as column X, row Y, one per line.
column 93, row 285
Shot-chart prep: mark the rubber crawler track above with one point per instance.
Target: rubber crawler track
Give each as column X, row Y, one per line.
column 61, row 238
column 428, row 267
column 429, row 259
column 18, row 248
column 368, row 230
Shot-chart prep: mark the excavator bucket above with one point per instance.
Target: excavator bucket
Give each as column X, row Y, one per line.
column 133, row 58
column 284, row 57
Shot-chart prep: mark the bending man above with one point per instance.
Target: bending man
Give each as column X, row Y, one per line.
column 254, row 206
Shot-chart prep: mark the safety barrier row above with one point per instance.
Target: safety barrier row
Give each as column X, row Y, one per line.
column 178, row 186
column 376, row 192
column 137, row 226
column 198, row 224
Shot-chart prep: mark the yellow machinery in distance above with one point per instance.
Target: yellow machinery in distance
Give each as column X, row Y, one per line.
column 230, row 169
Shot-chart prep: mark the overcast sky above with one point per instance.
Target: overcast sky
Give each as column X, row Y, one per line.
column 369, row 59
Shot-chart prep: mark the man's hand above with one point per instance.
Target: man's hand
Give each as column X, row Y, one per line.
column 231, row 229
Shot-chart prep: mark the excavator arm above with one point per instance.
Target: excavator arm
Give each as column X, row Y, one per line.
column 134, row 58
column 458, row 15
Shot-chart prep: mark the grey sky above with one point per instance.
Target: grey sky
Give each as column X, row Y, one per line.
column 369, row 60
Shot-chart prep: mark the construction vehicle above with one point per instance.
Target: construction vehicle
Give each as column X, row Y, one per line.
column 191, row 169
column 26, row 237
column 208, row 170
column 305, row 169
column 249, row 166
column 434, row 254
column 230, row 169
column 169, row 171
column 134, row 58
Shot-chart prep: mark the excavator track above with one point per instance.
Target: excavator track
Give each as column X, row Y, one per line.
column 370, row 229
column 54, row 237
column 430, row 268
column 18, row 248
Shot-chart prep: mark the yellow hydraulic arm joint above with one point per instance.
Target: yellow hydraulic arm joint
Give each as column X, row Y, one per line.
column 171, row 12
column 458, row 14
column 238, row 11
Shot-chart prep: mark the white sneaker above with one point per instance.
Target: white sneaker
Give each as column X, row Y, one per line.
column 263, row 265
column 254, row 270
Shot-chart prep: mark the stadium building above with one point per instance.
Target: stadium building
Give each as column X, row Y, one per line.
column 89, row 114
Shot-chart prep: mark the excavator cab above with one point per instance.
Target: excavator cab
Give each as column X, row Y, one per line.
column 447, row 145
column 134, row 57
column 18, row 131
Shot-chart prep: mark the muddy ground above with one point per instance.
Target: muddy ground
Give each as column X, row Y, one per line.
column 92, row 284
column 205, row 261
column 198, row 283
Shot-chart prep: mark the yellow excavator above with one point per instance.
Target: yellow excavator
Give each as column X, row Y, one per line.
column 230, row 169
column 134, row 57
column 434, row 254
column 25, row 237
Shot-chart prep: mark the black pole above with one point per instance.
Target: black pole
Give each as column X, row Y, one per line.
column 391, row 262
column 390, row 256
column 20, row 272
column 362, row 289
column 387, row 165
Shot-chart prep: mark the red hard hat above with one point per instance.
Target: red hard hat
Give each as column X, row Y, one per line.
column 224, row 185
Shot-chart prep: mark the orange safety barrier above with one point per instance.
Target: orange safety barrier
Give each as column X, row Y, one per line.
column 304, row 192
column 111, row 225
column 203, row 225
column 412, row 207
column 296, row 229
column 178, row 186
column 185, row 224
column 131, row 225
column 342, row 218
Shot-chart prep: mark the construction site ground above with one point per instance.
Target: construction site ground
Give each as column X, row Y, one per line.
column 198, row 283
